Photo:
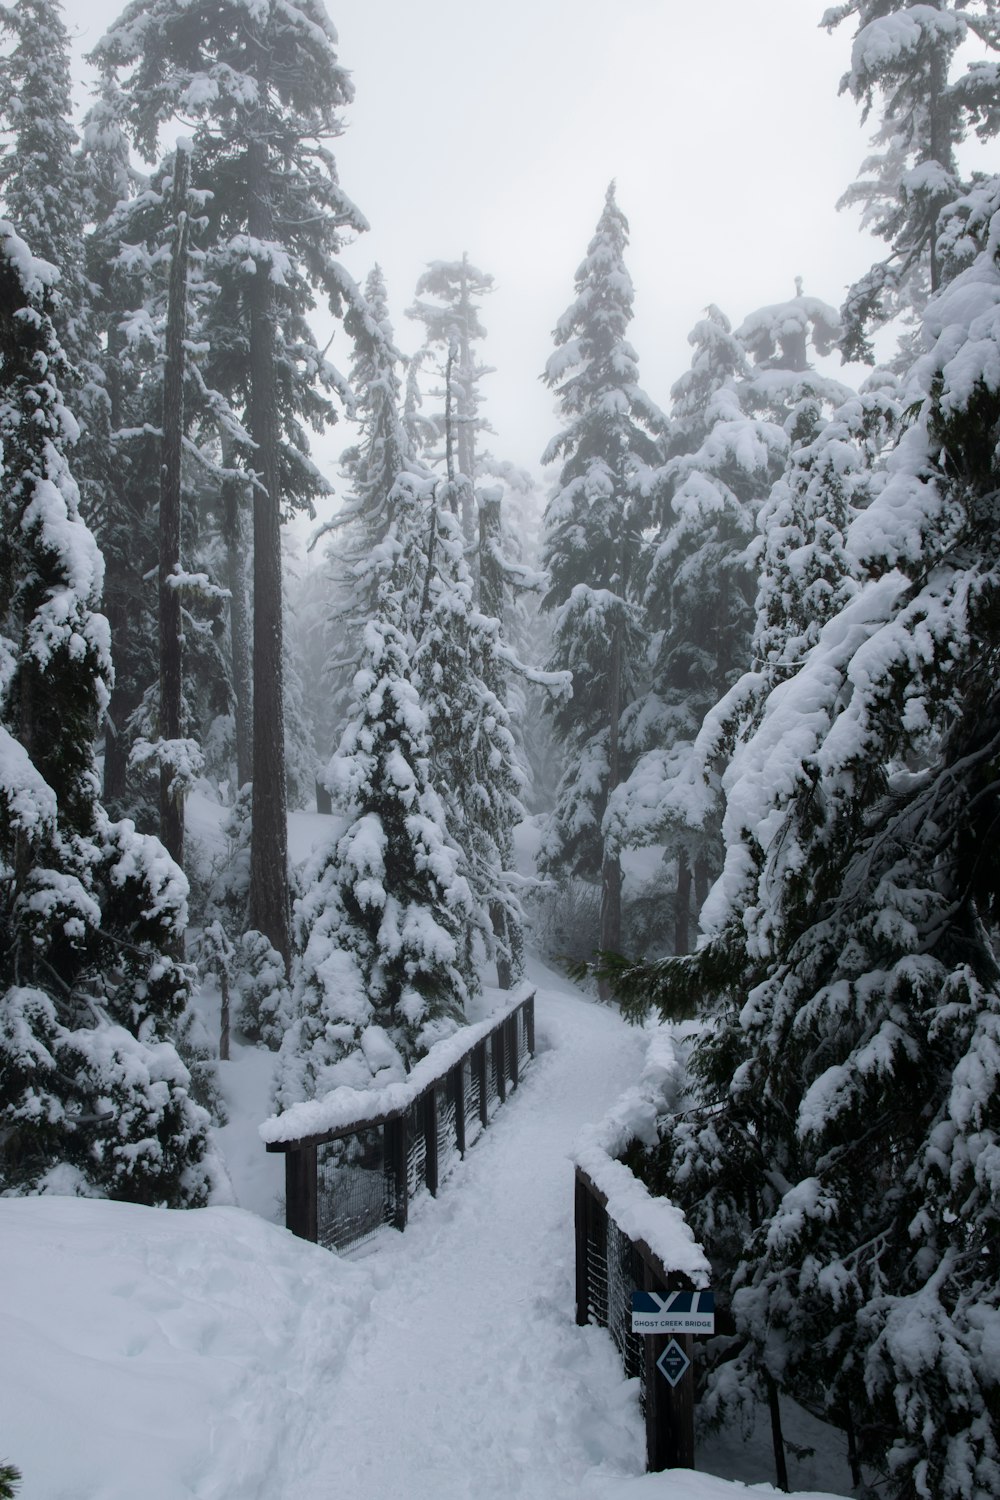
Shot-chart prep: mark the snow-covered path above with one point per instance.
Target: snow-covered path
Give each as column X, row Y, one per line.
column 469, row 1376
column 209, row 1355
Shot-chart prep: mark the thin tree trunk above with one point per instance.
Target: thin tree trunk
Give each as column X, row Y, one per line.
column 240, row 624
column 269, row 902
column 682, row 909
column 466, row 425
column 506, row 928
column 777, row 1440
column 701, row 883
column 611, row 872
column 171, row 639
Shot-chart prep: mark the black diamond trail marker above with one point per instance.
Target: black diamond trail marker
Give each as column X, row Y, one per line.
column 673, row 1364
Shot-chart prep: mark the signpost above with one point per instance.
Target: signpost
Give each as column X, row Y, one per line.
column 673, row 1312
column 668, row 1320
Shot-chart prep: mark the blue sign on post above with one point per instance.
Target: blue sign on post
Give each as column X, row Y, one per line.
column 673, row 1312
column 673, row 1364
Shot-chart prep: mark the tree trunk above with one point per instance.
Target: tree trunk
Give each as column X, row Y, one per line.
column 611, row 871
column 171, row 639
column 240, row 624
column 466, row 414
column 269, row 903
column 701, row 883
column 682, row 909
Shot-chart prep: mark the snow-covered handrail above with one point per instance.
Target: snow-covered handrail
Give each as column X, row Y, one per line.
column 345, row 1110
column 354, row 1158
column 629, row 1241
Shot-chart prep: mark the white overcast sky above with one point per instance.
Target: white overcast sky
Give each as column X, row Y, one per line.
column 495, row 129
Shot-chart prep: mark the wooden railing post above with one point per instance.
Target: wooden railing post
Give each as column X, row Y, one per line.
column 512, row 1026
column 300, row 1192
column 669, row 1409
column 430, row 1114
column 458, row 1094
column 481, row 1065
column 499, row 1063
column 581, row 1217
column 397, row 1185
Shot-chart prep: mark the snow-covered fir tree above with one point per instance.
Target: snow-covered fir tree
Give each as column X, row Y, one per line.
column 592, row 540
column 93, row 1096
column 263, row 88
column 382, row 968
column 448, row 298
column 838, row 1157
column 903, row 67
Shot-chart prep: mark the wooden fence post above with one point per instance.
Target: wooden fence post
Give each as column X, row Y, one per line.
column 482, row 1070
column 529, row 1019
column 430, row 1113
column 499, row 1063
column 581, row 1218
column 458, row 1094
column 300, row 1192
column 397, row 1185
column 512, row 1026
column 669, row 1409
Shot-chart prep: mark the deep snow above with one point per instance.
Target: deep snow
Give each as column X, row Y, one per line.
column 209, row 1354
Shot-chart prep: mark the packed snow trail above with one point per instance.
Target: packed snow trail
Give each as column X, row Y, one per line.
column 469, row 1376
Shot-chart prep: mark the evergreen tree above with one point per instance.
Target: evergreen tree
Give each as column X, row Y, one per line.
column 448, row 299
column 592, row 542
column 902, row 66
column 381, row 972
column 93, row 1096
column 838, row 1158
column 264, row 90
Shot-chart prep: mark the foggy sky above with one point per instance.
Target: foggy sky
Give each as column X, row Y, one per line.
column 495, row 129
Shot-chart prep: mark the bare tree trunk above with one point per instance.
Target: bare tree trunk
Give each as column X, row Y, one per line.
column 611, row 871
column 171, row 639
column 269, row 901
column 682, row 909
column 506, row 928
column 240, row 624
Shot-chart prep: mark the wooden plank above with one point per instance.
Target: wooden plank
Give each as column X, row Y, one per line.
column 512, row 1026
column 529, row 1014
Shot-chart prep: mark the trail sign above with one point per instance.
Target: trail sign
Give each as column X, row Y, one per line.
column 673, row 1364
column 673, row 1312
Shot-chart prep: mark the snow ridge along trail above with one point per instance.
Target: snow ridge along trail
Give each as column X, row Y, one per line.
column 469, row 1376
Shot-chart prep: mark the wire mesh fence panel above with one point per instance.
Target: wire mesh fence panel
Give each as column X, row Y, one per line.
column 446, row 1134
column 351, row 1202
column 597, row 1265
column 523, row 1052
column 416, row 1150
column 494, row 1077
column 473, row 1116
column 624, row 1277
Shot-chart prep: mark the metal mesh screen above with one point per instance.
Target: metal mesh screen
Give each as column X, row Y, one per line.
column 473, row 1119
column 416, row 1149
column 492, row 1074
column 614, row 1271
column 523, row 1055
column 351, row 1200
column 447, row 1139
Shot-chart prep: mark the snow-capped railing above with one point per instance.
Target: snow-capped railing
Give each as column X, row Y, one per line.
column 629, row 1241
column 354, row 1159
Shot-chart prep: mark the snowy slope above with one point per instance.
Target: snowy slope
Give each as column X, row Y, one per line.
column 211, row 1355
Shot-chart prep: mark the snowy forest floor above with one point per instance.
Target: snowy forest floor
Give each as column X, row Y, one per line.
column 209, row 1354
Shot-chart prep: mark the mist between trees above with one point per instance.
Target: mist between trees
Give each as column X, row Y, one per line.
column 736, row 673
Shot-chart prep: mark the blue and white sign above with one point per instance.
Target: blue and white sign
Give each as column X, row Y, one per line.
column 673, row 1364
column 673, row 1312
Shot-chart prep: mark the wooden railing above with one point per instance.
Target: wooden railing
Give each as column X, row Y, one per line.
column 609, row 1268
column 345, row 1184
